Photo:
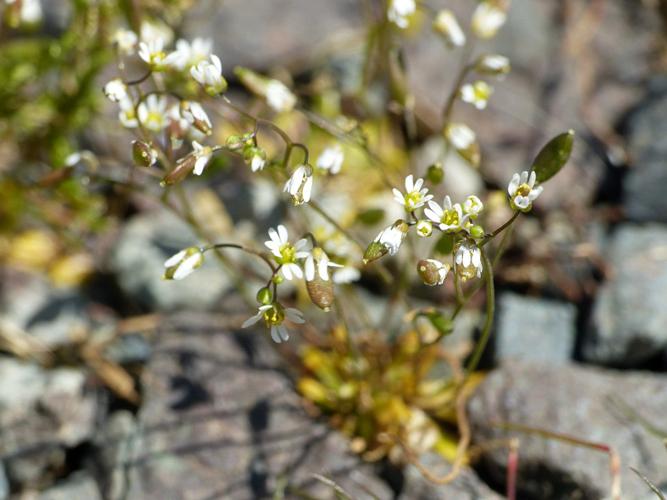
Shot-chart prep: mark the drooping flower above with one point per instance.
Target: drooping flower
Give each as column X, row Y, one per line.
column 388, row 241
column 189, row 54
column 285, row 253
column 432, row 271
column 446, row 24
column 255, row 157
column 300, row 185
column 183, row 263
column 477, row 94
column 195, row 115
column 127, row 114
column 115, row 90
column 468, row 260
column 331, row 159
column 279, row 97
column 152, row 113
column 449, row 217
column 202, row 156
column 399, row 12
column 208, row 73
column 414, row 196
column 488, row 18
column 318, row 264
column 274, row 316
column 523, row 191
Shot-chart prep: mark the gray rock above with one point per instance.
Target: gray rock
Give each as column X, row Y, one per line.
column 42, row 412
column 466, row 486
column 643, row 188
column 80, row 486
column 532, row 329
column 221, row 420
column 4, row 483
column 587, row 403
column 138, row 262
column 629, row 314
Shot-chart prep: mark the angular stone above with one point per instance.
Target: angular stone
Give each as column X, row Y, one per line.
column 629, row 314
column 586, row 403
column 221, row 420
column 532, row 329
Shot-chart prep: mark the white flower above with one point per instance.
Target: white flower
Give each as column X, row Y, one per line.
column 125, row 41
column 400, row 10
column 493, row 64
column 152, row 113
column 208, row 73
column 300, row 185
column 523, row 191
column 115, row 90
column 432, row 271
column 346, row 275
column 274, row 316
column 424, row 228
column 477, row 93
column 153, row 54
column 156, row 30
column 196, row 116
column 446, row 24
column 203, row 155
column 279, row 97
column 460, row 136
column 183, row 263
column 414, row 196
column 473, row 206
column 331, row 159
column 189, row 54
column 450, row 218
column 318, row 263
column 30, row 10
column 286, row 254
column 392, row 237
column 488, row 18
column 468, row 260
column 127, row 114
column 257, row 160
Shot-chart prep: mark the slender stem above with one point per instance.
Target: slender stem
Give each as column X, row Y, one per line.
column 488, row 323
column 139, row 80
column 495, row 233
column 249, row 251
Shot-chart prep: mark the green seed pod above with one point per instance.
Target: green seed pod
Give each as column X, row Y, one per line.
column 477, row 232
column 180, row 172
column 553, row 156
column 435, row 173
column 374, row 251
column 265, row 296
column 432, row 272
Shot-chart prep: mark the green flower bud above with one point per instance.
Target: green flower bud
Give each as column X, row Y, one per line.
column 435, row 173
column 265, row 296
column 477, row 232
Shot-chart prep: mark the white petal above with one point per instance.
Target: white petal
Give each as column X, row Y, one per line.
column 252, row 320
column 282, row 232
column 294, row 315
column 187, row 267
column 174, row 259
column 310, row 268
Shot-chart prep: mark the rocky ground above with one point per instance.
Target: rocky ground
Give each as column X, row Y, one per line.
column 580, row 339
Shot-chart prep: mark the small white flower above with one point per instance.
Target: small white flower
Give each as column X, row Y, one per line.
column 424, row 228
column 300, row 185
column 318, row 263
column 279, row 97
column 488, row 18
column 523, row 191
column 286, row 254
column 460, row 136
column 346, row 275
column 152, row 53
column 400, row 10
column 477, row 93
column 116, row 90
column 208, row 73
column 392, row 237
column 203, row 155
column 493, row 64
column 414, row 196
column 156, row 30
column 257, row 161
column 274, row 316
column 331, row 159
column 195, row 115
column 432, row 271
column 30, row 11
column 473, row 206
column 126, row 41
column 468, row 259
column 152, row 113
column 127, row 114
column 446, row 24
column 183, row 263
column 450, row 218
column 189, row 54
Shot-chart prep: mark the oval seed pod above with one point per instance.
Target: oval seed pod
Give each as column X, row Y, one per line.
column 321, row 292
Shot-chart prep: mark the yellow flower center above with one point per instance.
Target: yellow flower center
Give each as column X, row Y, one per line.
column 274, row 316
column 412, row 199
column 287, row 254
column 450, row 217
column 523, row 190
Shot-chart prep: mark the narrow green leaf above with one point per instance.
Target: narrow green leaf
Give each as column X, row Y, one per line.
column 553, row 156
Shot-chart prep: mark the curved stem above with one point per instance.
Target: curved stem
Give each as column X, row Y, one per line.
column 490, row 310
column 495, row 233
column 249, row 251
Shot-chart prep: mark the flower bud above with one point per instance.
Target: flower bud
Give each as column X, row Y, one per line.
column 374, row 251
column 234, row 142
column 183, row 263
column 265, row 296
column 424, row 228
column 196, row 116
column 255, row 157
column 493, row 65
column 432, row 272
column 488, row 18
column 388, row 241
column 446, row 24
column 477, row 232
column 144, row 154
column 435, row 173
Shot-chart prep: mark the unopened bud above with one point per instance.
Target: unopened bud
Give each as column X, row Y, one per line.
column 144, row 154
column 183, row 263
column 477, row 232
column 196, row 116
column 265, row 296
column 254, row 157
column 493, row 64
column 374, row 251
column 435, row 173
column 446, row 24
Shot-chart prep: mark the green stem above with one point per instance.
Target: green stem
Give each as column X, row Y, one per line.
column 490, row 310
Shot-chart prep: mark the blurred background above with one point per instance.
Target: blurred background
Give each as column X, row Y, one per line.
column 117, row 384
